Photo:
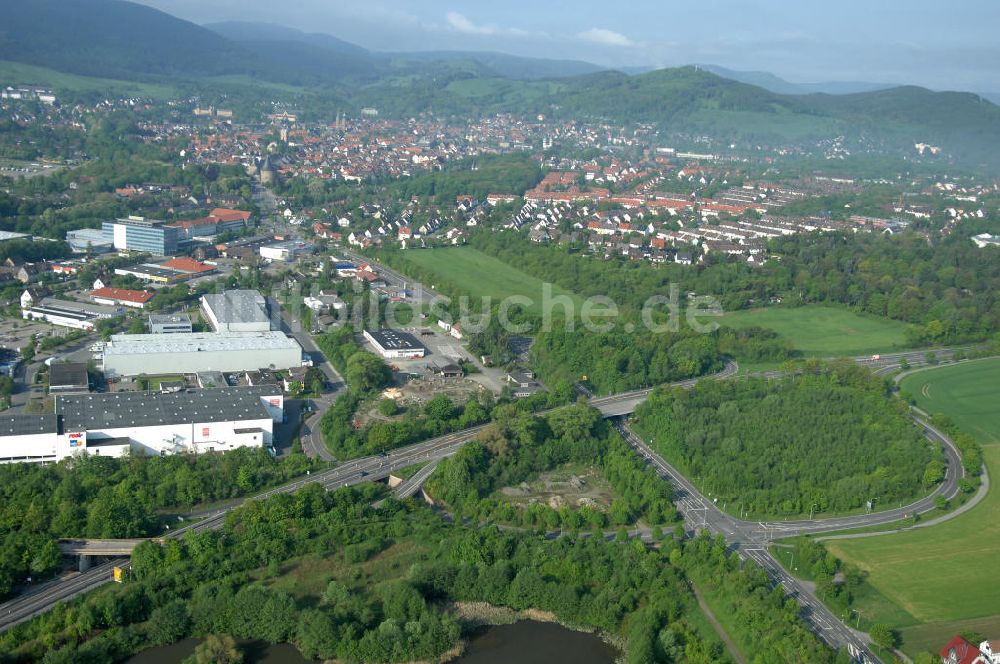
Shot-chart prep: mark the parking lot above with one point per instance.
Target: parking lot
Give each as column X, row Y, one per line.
column 443, row 349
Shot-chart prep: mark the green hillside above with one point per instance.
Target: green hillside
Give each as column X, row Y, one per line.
column 114, row 39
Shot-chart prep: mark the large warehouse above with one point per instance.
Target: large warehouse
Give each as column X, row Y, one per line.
column 151, row 354
column 110, row 424
column 393, row 344
column 236, row 311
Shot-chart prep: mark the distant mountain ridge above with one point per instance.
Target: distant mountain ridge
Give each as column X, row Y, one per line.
column 774, row 83
column 246, row 33
column 115, row 39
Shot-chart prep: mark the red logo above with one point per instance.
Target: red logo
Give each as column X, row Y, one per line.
column 204, row 431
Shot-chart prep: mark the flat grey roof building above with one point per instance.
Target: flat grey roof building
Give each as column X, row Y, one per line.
column 134, row 354
column 119, row 410
column 26, row 425
column 67, row 377
column 170, row 323
column 236, row 311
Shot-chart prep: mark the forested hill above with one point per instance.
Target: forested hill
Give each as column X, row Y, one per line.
column 114, row 39
column 123, row 40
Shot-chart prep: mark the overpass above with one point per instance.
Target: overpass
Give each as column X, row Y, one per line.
column 98, row 547
column 693, row 506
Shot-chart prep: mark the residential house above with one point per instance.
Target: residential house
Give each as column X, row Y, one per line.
column 960, row 651
column 32, row 296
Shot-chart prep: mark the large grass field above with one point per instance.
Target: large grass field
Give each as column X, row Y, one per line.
column 968, row 392
column 479, row 275
column 820, row 331
column 932, row 583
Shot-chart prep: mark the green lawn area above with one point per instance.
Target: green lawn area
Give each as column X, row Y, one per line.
column 931, row 583
column 968, row 392
column 17, row 73
column 155, row 381
column 480, row 275
column 824, row 331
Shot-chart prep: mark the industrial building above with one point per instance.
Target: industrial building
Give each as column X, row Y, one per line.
column 286, row 251
column 151, row 354
column 89, row 241
column 236, row 311
column 122, row 296
column 11, row 235
column 110, row 424
column 138, row 234
column 67, row 313
column 393, row 344
column 68, row 378
column 170, row 324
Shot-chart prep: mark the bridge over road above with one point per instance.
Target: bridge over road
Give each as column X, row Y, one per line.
column 430, row 451
column 98, row 547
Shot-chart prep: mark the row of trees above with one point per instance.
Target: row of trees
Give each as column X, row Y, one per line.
column 94, row 496
column 830, row 439
column 948, row 291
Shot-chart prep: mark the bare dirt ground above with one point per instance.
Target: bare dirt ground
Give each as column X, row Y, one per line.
column 567, row 486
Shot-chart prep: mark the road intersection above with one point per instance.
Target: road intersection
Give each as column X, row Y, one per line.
column 749, row 539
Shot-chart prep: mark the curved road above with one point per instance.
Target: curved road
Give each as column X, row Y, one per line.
column 747, row 538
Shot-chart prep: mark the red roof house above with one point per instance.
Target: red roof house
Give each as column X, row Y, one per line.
column 226, row 214
column 123, row 296
column 960, row 651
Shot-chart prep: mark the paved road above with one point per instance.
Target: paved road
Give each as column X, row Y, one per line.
column 750, row 539
column 410, row 487
column 418, row 293
column 312, row 440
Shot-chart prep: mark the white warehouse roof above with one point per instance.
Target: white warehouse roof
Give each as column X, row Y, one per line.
column 146, row 344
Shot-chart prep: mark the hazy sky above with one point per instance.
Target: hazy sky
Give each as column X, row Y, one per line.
column 943, row 44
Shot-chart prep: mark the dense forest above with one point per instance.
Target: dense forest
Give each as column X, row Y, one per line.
column 103, row 497
column 246, row 580
column 516, row 448
column 829, row 439
column 947, row 290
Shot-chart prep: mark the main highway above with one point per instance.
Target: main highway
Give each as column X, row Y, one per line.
column 748, row 538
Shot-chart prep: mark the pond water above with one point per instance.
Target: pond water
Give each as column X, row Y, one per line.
column 525, row 642
column 530, row 642
column 255, row 652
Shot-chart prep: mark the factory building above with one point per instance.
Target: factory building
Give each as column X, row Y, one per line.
column 170, row 324
column 135, row 354
column 88, row 241
column 236, row 311
column 68, row 313
column 286, row 251
column 393, row 344
column 113, row 424
column 139, row 234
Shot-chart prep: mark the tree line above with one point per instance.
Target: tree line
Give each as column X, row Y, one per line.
column 947, row 290
column 103, row 497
